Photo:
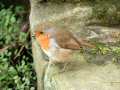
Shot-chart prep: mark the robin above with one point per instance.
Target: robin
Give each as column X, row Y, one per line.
column 58, row 44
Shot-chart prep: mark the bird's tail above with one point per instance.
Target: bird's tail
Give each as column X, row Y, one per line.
column 86, row 43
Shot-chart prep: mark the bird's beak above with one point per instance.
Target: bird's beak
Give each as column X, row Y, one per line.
column 33, row 35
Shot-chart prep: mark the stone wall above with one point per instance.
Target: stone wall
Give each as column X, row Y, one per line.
column 87, row 72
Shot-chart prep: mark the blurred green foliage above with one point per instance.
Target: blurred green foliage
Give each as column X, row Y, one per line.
column 16, row 62
column 10, row 26
column 16, row 73
column 107, row 12
column 112, row 51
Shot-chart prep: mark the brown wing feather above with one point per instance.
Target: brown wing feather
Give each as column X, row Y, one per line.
column 66, row 40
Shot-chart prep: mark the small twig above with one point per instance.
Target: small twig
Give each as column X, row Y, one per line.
column 3, row 49
column 19, row 52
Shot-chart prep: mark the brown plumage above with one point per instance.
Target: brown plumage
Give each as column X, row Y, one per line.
column 58, row 43
column 64, row 38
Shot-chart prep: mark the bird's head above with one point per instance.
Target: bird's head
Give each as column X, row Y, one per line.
column 43, row 33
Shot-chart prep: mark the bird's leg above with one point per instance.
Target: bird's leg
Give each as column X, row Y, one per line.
column 65, row 67
column 52, row 68
column 49, row 72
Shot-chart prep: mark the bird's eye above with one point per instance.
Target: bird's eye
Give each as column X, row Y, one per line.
column 41, row 32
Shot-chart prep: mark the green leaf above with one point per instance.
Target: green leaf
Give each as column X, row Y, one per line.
column 13, row 19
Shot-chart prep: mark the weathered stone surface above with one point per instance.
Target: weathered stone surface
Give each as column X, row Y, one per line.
column 80, row 75
column 86, row 77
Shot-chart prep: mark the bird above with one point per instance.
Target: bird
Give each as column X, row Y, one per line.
column 59, row 44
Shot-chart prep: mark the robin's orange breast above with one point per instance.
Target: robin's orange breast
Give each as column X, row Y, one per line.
column 43, row 40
